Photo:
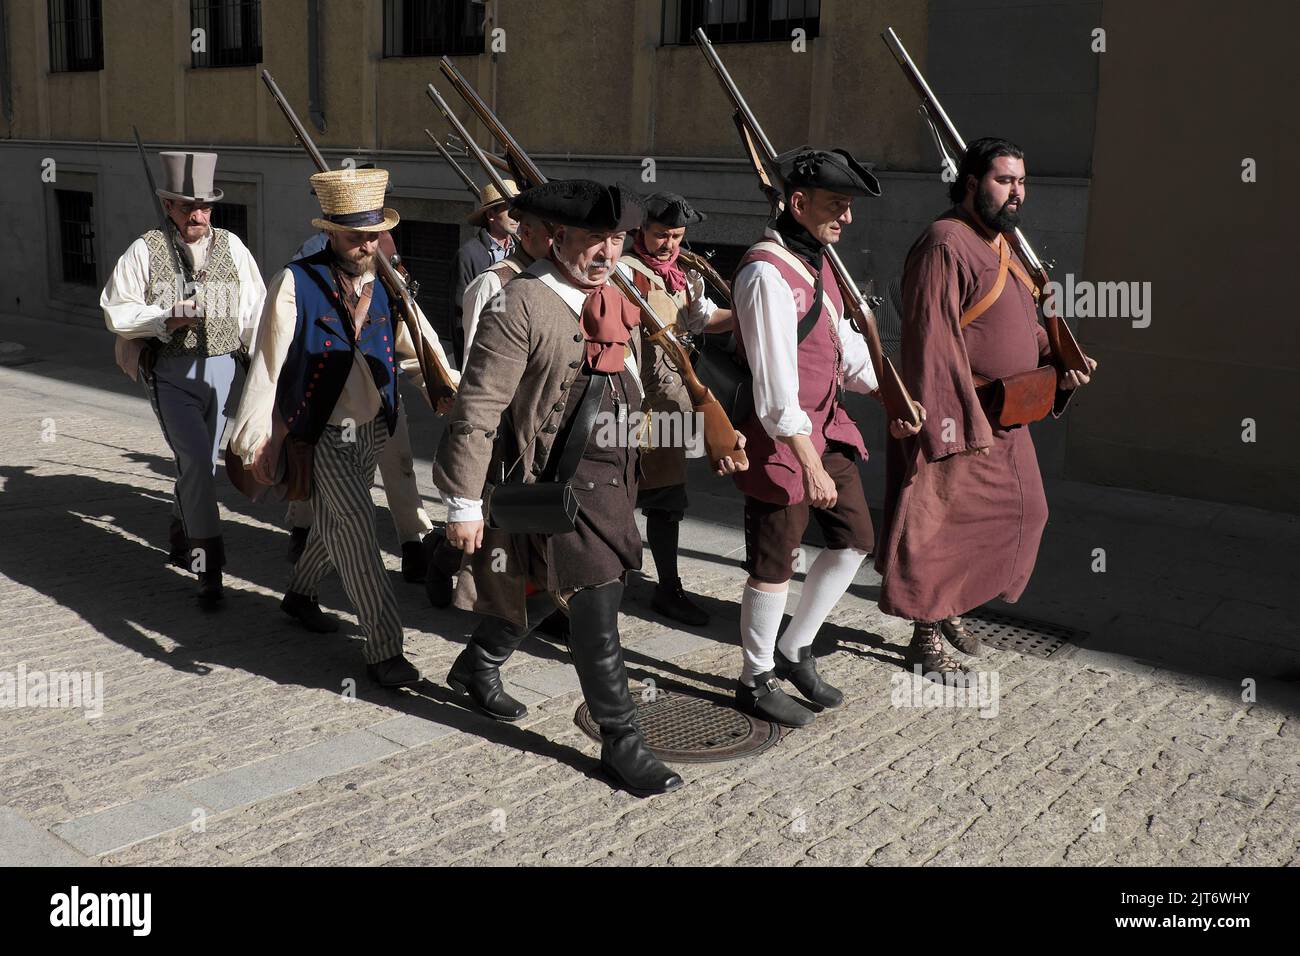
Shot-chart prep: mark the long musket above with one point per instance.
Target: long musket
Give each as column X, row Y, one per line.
column 1065, row 348
column 456, row 167
column 898, row 403
column 719, row 434
column 163, row 221
column 438, row 383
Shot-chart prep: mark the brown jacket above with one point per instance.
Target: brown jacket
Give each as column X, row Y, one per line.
column 531, row 352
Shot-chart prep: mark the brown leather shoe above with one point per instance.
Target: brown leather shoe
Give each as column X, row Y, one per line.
column 926, row 651
column 955, row 631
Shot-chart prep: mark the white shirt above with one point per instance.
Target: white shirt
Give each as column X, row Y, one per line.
column 765, row 312
column 359, row 397
column 471, row 509
column 123, row 299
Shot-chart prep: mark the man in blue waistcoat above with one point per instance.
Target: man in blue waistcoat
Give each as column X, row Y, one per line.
column 324, row 374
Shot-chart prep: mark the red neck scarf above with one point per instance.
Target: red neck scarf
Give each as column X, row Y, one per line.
column 607, row 321
column 666, row 269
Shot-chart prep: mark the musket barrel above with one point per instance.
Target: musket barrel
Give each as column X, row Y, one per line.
column 456, row 167
column 930, row 101
column 470, row 144
column 702, row 40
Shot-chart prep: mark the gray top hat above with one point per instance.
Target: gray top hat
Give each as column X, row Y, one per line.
column 188, row 177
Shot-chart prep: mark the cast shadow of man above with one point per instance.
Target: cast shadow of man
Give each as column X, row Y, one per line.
column 86, row 542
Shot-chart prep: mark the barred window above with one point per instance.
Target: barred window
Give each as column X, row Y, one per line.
column 740, row 21
column 231, row 33
column 76, row 235
column 76, row 36
column 433, row 27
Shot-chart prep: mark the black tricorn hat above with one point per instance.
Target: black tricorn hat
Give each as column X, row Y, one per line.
column 832, row 169
column 672, row 210
column 584, row 203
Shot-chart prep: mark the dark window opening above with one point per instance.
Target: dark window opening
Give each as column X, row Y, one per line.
column 433, row 27
column 426, row 249
column 76, row 236
column 232, row 32
column 740, row 21
column 76, row 36
column 232, row 217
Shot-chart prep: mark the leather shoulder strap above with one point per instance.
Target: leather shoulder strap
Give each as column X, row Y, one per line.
column 995, row 293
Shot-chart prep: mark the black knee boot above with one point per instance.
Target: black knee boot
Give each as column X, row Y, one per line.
column 598, row 657
column 477, row 671
column 670, row 598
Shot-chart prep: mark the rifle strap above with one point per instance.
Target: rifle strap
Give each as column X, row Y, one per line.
column 809, row 319
column 1016, row 268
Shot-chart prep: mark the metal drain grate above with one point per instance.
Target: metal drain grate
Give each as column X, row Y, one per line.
column 1023, row 635
column 684, row 729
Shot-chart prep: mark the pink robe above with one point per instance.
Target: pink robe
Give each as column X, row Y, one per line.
column 960, row 530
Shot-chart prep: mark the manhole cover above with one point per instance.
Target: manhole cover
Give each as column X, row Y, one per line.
column 684, row 729
column 1020, row 634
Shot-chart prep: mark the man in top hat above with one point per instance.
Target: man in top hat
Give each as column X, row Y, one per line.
column 194, row 295
column 803, row 445
column 560, row 354
column 678, row 297
column 324, row 372
column 964, row 502
column 494, row 241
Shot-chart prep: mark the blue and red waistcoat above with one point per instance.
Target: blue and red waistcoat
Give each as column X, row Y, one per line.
column 321, row 356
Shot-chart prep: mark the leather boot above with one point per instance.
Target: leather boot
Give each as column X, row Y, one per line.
column 598, row 658
column 297, row 542
column 802, row 672
column 442, row 565
column 477, row 671
column 178, row 545
column 308, row 612
column 671, row 600
column 207, row 558
column 926, row 652
column 954, row 629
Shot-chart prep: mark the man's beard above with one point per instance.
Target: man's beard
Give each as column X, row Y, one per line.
column 355, row 267
column 581, row 276
column 998, row 218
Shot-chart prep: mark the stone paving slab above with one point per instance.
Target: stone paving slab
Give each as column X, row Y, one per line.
column 1098, row 758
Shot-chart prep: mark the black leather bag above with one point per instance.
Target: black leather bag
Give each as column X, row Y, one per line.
column 548, row 507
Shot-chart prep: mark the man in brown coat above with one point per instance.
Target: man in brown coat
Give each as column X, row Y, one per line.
column 964, row 502
column 561, row 351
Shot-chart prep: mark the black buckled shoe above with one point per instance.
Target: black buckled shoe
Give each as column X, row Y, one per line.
column 954, row 629
column 767, row 701
column 803, row 674
column 477, row 671
column 308, row 612
column 210, row 590
column 671, row 600
column 629, row 762
column 393, row 672
column 297, row 542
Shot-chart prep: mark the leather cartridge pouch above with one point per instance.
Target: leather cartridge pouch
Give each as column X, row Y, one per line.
column 1014, row 399
column 293, row 472
column 548, row 507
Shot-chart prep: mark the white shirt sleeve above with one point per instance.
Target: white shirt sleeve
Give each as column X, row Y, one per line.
column 764, row 309
column 859, row 373
column 697, row 315
column 463, row 509
column 477, row 300
column 123, row 298
column 252, row 291
column 275, row 332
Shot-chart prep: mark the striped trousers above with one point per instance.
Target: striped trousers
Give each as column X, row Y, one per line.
column 343, row 534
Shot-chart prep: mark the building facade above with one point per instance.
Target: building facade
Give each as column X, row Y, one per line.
column 611, row 89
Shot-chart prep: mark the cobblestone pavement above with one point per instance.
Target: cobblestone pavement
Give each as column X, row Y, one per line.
column 229, row 738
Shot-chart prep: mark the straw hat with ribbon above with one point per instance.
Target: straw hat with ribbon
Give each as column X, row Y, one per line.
column 353, row 199
column 490, row 198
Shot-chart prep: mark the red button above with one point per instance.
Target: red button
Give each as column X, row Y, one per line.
column 328, row 343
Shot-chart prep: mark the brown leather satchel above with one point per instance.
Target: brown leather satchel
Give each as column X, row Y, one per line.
column 1015, row 399
column 293, row 473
